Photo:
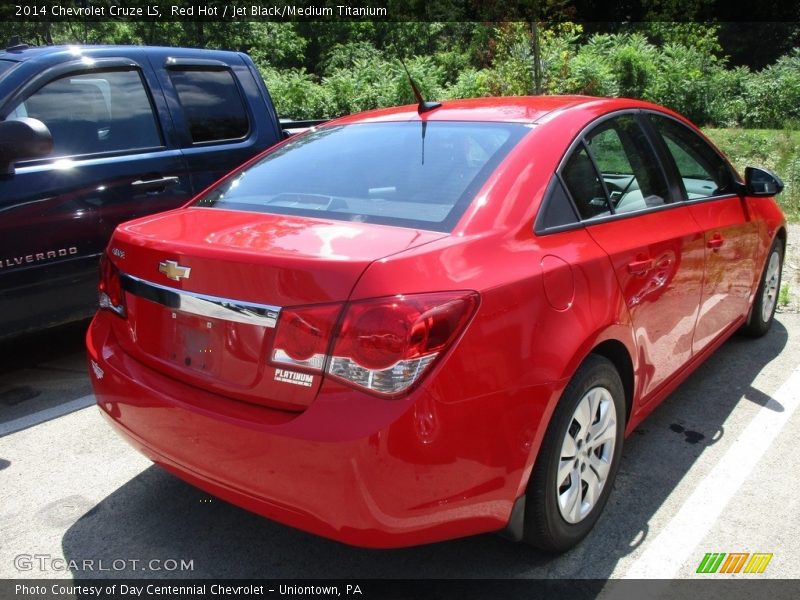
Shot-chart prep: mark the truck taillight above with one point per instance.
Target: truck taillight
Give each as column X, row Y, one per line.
column 384, row 345
column 111, row 296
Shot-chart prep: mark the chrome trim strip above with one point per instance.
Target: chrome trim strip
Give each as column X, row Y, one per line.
column 215, row 307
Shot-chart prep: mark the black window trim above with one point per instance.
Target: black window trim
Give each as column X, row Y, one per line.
column 76, row 68
column 666, row 163
column 599, row 175
column 670, row 173
column 555, row 180
column 563, row 184
column 180, row 65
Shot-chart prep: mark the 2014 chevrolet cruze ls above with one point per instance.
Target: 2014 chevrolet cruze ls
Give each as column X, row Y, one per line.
column 422, row 323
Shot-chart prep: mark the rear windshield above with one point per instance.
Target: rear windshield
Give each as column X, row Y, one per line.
column 410, row 174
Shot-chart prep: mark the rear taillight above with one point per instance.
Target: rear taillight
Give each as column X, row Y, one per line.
column 303, row 335
column 110, row 292
column 384, row 345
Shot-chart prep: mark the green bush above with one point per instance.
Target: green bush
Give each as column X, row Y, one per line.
column 772, row 96
column 590, row 75
column 471, row 83
column 683, row 82
column 296, row 94
column 686, row 73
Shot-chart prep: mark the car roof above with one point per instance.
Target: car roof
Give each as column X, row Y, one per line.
column 508, row 109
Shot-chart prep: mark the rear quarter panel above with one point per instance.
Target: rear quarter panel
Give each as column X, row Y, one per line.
column 546, row 302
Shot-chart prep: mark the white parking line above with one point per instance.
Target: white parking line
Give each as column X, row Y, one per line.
column 45, row 415
column 669, row 550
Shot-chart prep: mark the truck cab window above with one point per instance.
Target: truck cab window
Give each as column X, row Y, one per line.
column 93, row 113
column 212, row 103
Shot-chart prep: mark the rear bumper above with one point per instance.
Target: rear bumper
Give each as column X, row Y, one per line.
column 354, row 468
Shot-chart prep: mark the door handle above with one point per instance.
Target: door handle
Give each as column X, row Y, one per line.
column 640, row 267
column 159, row 184
column 715, row 243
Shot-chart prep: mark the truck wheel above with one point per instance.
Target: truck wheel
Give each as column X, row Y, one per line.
column 579, row 458
column 763, row 310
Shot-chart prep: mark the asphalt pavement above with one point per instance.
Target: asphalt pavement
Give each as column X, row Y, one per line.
column 713, row 470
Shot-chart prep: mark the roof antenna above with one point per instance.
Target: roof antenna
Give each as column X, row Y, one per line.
column 422, row 104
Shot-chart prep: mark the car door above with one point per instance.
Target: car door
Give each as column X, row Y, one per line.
column 213, row 101
column 655, row 246
column 709, row 190
column 110, row 163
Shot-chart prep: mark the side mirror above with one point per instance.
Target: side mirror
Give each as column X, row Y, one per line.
column 22, row 139
column 761, row 182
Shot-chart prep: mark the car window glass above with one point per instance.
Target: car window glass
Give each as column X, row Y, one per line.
column 212, row 104
column 94, row 112
column 408, row 173
column 702, row 171
column 557, row 208
column 628, row 165
column 584, row 185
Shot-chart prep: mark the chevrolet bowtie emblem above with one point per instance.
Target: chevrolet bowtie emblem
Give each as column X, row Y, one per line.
column 173, row 270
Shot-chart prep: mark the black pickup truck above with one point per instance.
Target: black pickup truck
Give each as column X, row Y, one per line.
column 91, row 136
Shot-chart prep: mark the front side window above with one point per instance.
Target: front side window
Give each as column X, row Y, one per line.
column 93, row 113
column 212, row 104
column 703, row 172
column 409, row 173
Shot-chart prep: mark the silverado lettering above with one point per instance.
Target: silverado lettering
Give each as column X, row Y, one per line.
column 18, row 261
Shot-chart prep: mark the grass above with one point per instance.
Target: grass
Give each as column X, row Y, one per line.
column 775, row 149
column 784, row 296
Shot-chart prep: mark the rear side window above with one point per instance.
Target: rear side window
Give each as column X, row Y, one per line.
column 94, row 112
column 212, row 103
column 410, row 173
column 703, row 172
column 613, row 170
column 584, row 185
column 628, row 165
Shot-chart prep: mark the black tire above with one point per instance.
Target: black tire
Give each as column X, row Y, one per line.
column 768, row 290
column 545, row 526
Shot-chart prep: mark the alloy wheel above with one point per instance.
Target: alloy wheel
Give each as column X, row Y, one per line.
column 771, row 281
column 586, row 454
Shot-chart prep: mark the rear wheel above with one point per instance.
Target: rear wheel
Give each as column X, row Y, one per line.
column 579, row 458
column 763, row 310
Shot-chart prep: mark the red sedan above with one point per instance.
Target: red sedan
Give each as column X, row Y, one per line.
column 421, row 323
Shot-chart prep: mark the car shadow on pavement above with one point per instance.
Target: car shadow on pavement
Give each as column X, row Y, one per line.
column 41, row 370
column 158, row 517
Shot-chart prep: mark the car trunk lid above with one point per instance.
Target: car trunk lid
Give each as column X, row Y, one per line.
column 204, row 289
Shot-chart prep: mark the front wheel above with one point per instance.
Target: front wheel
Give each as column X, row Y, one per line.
column 766, row 300
column 579, row 458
